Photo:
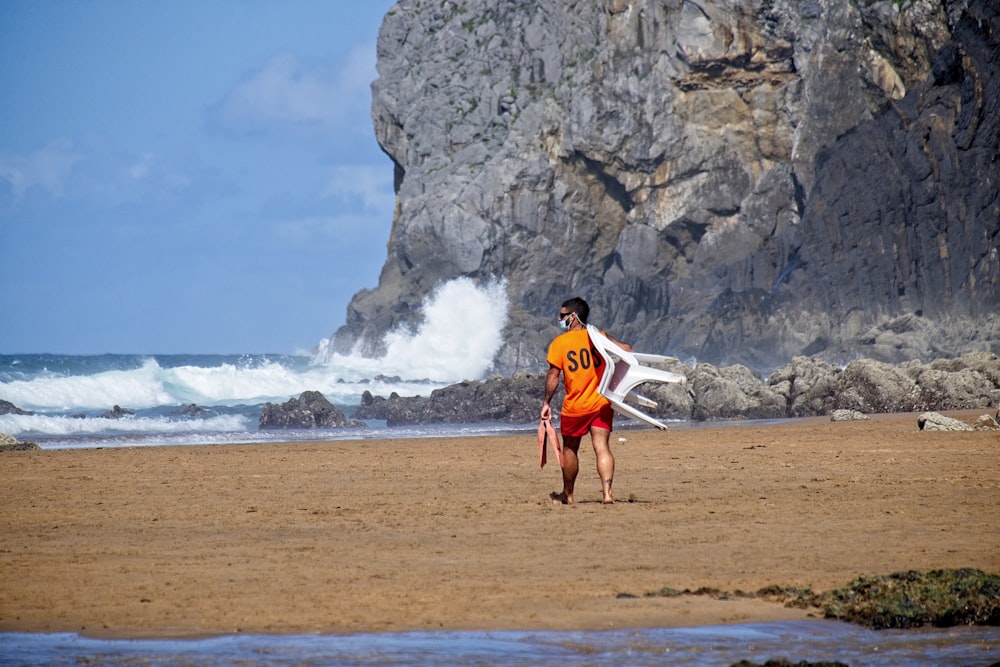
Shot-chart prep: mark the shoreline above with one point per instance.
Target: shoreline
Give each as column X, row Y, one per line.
column 373, row 536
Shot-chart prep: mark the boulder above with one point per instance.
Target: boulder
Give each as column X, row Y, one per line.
column 935, row 421
column 310, row 410
column 847, row 416
column 733, row 392
column 986, row 423
column 872, row 386
column 971, row 381
column 8, row 408
column 9, row 443
column 809, row 386
column 192, row 410
column 674, row 400
column 117, row 412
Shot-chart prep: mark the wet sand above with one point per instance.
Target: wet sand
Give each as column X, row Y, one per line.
column 432, row 534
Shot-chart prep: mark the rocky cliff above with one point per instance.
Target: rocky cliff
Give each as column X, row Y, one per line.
column 739, row 182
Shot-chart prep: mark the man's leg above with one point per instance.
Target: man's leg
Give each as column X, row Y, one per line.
column 601, row 438
column 571, row 466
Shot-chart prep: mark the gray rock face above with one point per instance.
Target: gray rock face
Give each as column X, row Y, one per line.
column 741, row 182
column 309, row 410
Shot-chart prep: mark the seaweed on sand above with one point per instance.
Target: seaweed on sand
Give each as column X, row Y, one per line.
column 911, row 599
column 941, row 598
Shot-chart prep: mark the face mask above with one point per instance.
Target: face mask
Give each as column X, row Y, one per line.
column 564, row 323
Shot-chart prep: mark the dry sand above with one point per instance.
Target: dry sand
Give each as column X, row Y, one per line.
column 427, row 534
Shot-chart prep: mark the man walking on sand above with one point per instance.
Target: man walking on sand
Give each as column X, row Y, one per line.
column 584, row 410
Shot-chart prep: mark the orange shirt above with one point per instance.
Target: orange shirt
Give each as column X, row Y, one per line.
column 582, row 368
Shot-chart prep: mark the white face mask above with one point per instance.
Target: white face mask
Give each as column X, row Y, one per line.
column 566, row 322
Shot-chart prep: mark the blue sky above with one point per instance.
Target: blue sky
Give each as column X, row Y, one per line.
column 187, row 175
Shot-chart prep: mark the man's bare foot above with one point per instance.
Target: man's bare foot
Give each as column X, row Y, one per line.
column 609, row 501
column 561, row 498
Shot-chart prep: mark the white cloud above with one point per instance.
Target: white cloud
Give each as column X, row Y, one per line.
column 49, row 168
column 286, row 91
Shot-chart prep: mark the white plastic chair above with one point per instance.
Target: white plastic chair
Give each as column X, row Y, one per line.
column 624, row 371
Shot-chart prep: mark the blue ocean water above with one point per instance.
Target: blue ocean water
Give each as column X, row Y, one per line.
column 696, row 647
column 68, row 396
column 214, row 399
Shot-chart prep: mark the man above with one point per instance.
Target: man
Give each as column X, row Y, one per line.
column 584, row 410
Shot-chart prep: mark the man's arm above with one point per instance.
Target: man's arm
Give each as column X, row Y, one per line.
column 551, row 385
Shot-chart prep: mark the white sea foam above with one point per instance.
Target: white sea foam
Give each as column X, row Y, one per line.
column 139, row 388
column 68, row 426
column 457, row 341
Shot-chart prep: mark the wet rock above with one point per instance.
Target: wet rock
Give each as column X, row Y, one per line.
column 117, row 412
column 8, row 408
column 310, row 410
column 847, row 416
column 934, row 421
column 513, row 400
column 9, row 443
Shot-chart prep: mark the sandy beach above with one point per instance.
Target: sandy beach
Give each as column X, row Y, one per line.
column 429, row 534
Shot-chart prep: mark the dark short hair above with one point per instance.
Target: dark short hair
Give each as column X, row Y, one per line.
column 578, row 306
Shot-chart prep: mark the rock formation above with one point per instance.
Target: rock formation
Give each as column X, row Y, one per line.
column 739, row 182
column 514, row 400
column 310, row 410
column 803, row 387
column 8, row 408
column 9, row 443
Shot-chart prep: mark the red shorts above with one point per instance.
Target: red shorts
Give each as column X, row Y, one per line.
column 579, row 425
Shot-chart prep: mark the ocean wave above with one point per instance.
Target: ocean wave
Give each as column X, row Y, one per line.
column 153, row 386
column 456, row 341
column 49, row 425
column 138, row 388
